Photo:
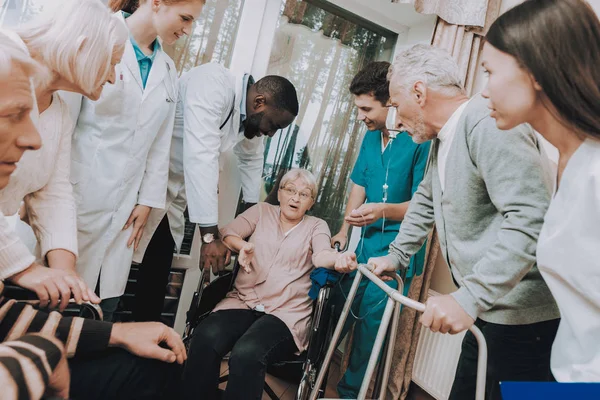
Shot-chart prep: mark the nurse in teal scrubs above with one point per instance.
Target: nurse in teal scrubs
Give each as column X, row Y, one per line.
column 386, row 174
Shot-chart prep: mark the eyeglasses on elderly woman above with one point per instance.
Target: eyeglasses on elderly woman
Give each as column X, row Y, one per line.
column 291, row 191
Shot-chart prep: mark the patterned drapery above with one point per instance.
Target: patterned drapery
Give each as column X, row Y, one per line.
column 456, row 12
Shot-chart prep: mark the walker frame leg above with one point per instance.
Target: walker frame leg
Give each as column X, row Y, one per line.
column 392, row 311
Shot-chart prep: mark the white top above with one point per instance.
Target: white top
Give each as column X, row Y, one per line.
column 446, row 136
column 41, row 180
column 384, row 146
column 120, row 158
column 568, row 256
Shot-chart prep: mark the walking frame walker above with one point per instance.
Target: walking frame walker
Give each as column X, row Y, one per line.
column 390, row 314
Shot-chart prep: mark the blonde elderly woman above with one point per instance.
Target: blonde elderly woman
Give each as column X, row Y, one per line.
column 266, row 317
column 77, row 48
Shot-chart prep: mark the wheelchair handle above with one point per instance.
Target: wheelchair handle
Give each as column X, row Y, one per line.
column 367, row 271
column 28, row 296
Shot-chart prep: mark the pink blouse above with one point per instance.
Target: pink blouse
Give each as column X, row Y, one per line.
column 280, row 276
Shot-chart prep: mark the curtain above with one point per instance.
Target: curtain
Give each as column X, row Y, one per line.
column 464, row 43
column 457, row 12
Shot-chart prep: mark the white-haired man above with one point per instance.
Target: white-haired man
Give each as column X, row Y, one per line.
column 139, row 363
column 487, row 192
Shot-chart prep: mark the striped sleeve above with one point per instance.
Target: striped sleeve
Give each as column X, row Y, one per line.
column 79, row 335
column 27, row 364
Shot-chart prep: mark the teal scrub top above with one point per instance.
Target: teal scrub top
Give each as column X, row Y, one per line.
column 144, row 61
column 405, row 162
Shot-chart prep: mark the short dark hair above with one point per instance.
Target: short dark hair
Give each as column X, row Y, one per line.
column 281, row 91
column 372, row 80
column 558, row 42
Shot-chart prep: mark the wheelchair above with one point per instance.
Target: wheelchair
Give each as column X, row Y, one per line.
column 299, row 369
column 84, row 310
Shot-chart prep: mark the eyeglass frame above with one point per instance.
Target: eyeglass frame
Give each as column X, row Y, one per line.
column 293, row 191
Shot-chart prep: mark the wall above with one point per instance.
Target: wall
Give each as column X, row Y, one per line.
column 419, row 33
column 595, row 5
column 508, row 4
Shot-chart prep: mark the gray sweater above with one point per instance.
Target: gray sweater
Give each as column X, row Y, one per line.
column 488, row 218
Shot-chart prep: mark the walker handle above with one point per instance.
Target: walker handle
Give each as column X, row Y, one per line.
column 367, row 271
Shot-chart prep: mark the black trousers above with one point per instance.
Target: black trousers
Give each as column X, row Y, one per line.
column 515, row 353
column 153, row 275
column 255, row 340
column 115, row 374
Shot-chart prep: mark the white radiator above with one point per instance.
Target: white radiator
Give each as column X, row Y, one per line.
column 435, row 361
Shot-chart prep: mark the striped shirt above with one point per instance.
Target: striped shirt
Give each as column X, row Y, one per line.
column 27, row 364
column 26, row 360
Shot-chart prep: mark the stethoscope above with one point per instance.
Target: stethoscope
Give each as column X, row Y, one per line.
column 393, row 135
column 169, row 88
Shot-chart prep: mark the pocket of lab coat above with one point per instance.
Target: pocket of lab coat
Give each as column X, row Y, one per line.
column 110, row 105
column 112, row 99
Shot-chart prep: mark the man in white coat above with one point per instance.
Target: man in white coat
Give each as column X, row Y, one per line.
column 216, row 111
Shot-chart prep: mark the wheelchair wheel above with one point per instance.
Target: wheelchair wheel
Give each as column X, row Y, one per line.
column 85, row 310
column 307, row 383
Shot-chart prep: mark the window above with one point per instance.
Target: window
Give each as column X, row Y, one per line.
column 212, row 40
column 320, row 48
column 213, row 37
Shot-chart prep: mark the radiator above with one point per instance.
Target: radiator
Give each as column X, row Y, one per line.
column 435, row 361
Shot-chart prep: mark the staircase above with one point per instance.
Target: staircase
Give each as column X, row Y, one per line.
column 173, row 293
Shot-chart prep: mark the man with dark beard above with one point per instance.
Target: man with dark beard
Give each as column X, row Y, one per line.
column 216, row 112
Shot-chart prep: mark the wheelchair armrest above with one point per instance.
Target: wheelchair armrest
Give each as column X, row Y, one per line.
column 21, row 294
column 18, row 293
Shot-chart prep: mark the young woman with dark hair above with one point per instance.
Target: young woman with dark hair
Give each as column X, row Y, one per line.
column 543, row 60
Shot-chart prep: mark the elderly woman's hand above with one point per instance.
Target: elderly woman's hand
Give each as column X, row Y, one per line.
column 246, row 256
column 346, row 262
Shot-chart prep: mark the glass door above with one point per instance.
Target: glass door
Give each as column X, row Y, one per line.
column 320, row 48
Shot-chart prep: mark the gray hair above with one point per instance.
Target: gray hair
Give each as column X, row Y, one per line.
column 305, row 175
column 12, row 54
column 431, row 65
column 76, row 40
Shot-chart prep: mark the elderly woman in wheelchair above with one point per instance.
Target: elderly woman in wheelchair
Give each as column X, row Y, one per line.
column 266, row 317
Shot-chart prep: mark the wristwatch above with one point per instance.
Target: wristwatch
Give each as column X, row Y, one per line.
column 208, row 238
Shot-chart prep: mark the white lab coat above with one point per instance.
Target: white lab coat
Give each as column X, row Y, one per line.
column 206, row 96
column 120, row 158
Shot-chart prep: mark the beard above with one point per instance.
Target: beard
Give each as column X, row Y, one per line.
column 420, row 134
column 252, row 125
